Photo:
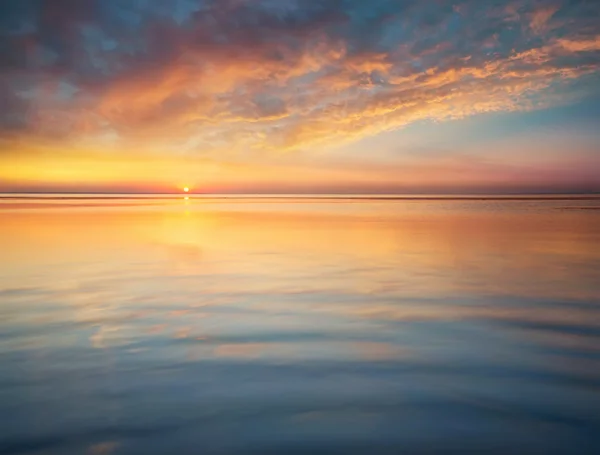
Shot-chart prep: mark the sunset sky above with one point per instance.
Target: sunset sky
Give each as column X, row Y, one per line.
column 307, row 96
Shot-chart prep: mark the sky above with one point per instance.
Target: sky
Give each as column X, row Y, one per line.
column 300, row 96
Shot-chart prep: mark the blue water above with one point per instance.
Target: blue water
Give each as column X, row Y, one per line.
column 252, row 326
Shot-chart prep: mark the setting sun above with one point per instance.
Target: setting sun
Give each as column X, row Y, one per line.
column 186, row 189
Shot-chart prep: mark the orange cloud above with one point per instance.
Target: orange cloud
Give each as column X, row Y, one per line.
column 243, row 82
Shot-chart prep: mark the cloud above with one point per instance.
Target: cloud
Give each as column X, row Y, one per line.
column 265, row 75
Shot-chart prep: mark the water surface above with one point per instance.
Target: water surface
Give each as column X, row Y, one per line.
column 258, row 326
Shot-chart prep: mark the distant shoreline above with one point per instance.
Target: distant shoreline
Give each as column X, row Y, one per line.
column 380, row 197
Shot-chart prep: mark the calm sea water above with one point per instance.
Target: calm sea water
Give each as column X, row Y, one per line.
column 267, row 326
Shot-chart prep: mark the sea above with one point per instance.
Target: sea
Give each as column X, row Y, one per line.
column 171, row 324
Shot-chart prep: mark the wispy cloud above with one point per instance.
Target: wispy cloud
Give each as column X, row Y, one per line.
column 216, row 78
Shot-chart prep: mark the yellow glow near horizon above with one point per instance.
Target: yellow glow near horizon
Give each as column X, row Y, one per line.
column 186, row 189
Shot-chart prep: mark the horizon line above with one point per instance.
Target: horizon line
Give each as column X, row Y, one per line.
column 308, row 193
column 372, row 196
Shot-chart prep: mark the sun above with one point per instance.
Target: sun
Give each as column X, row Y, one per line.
column 186, row 189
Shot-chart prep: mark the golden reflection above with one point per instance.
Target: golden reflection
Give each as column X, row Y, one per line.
column 371, row 350
column 156, row 270
column 103, row 448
